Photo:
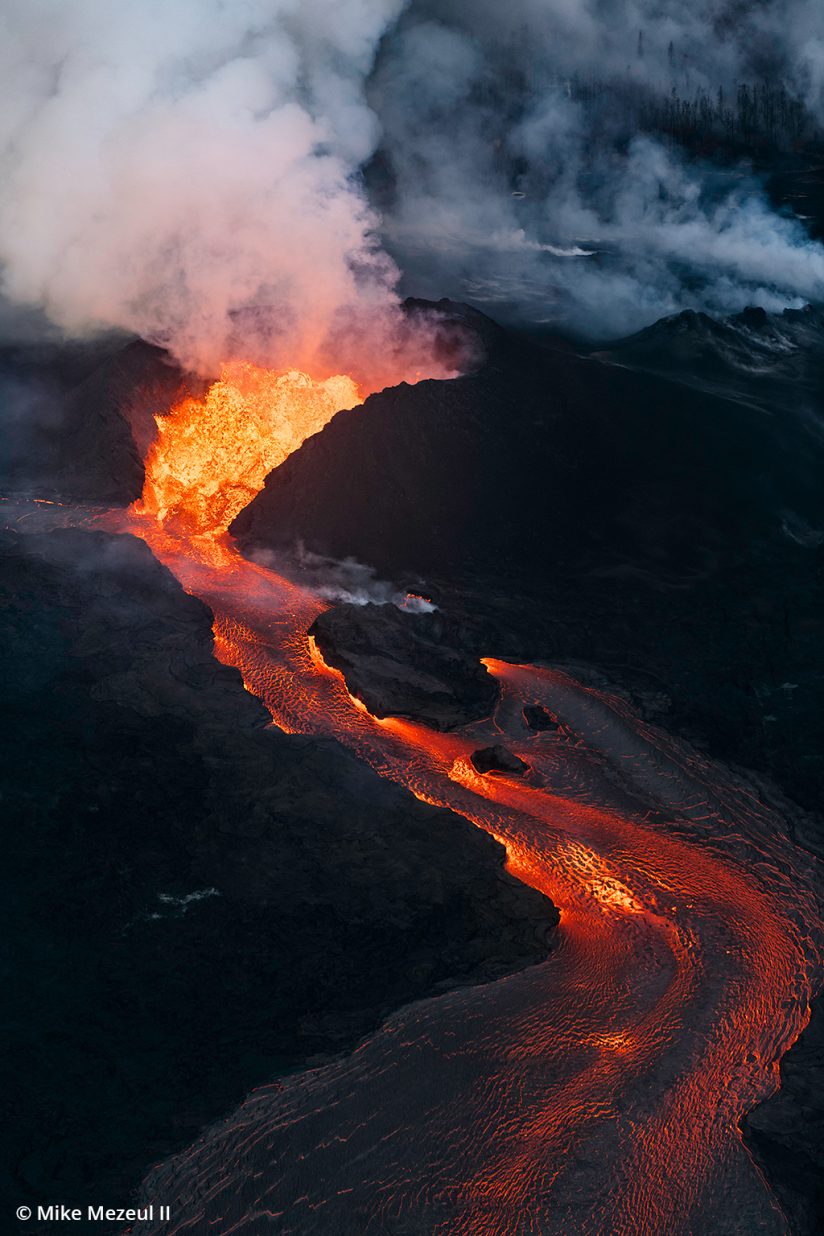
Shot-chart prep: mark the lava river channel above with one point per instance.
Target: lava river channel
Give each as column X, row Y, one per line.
column 598, row 1092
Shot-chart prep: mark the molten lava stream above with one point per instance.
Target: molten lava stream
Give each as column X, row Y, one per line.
column 599, row 1092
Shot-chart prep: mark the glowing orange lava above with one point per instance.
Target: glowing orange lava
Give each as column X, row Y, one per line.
column 211, row 455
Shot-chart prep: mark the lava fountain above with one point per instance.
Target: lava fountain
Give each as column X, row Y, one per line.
column 211, row 455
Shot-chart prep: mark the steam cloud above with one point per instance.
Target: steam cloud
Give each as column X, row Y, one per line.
column 184, row 169
column 341, row 580
column 506, row 180
column 191, row 170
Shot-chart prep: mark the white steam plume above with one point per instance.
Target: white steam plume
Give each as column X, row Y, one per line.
column 189, row 170
column 185, row 169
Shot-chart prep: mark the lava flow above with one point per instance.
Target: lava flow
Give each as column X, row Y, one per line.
column 597, row 1093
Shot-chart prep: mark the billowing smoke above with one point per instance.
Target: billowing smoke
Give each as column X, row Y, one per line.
column 192, row 170
column 186, row 170
column 525, row 159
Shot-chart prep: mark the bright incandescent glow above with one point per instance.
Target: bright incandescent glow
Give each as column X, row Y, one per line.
column 211, row 455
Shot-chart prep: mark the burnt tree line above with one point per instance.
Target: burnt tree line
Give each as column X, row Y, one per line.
column 760, row 112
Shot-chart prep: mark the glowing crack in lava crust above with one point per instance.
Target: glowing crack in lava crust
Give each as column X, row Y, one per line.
column 211, row 455
column 599, row 1093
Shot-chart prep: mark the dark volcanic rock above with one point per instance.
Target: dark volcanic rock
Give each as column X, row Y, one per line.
column 773, row 361
column 575, row 510
column 538, row 718
column 406, row 664
column 542, row 460
column 786, row 1134
column 194, row 900
column 498, row 759
column 77, row 419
